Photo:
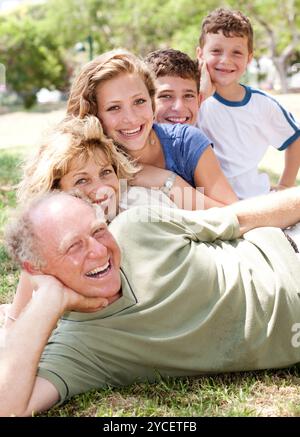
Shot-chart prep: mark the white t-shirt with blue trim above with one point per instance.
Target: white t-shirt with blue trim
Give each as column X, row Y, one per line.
column 241, row 133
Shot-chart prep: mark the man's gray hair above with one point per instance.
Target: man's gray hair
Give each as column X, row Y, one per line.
column 21, row 240
column 20, row 237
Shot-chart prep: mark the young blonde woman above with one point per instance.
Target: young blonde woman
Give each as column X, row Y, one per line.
column 119, row 89
column 79, row 156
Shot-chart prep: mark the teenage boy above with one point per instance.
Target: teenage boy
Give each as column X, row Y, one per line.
column 177, row 99
column 241, row 121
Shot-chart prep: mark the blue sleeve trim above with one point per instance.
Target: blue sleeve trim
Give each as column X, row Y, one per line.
column 288, row 142
column 289, row 117
column 233, row 103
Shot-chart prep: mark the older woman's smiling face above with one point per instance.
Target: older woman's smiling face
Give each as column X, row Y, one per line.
column 96, row 178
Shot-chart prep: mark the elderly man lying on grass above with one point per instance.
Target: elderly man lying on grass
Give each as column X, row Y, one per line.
column 184, row 294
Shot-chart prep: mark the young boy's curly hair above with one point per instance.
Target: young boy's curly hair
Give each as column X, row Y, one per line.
column 230, row 23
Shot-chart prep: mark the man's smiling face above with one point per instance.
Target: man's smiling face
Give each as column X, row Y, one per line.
column 77, row 246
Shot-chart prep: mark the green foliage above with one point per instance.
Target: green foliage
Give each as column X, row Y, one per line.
column 281, row 18
column 80, row 19
column 35, row 43
column 31, row 57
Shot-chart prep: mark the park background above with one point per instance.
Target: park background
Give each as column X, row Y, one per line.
column 43, row 43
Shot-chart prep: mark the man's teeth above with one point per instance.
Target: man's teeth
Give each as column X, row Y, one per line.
column 98, row 270
column 131, row 132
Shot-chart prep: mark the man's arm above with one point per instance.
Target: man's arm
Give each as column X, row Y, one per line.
column 21, row 392
column 291, row 167
column 21, row 298
column 281, row 209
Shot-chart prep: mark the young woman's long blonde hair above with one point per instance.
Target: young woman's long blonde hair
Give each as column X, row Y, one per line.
column 73, row 138
column 82, row 99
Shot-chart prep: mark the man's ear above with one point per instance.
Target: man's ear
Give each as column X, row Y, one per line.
column 31, row 269
column 199, row 53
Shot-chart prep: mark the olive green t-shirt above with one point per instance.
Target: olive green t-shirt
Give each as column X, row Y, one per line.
column 195, row 299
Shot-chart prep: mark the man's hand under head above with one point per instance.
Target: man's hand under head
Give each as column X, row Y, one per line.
column 70, row 300
column 21, row 393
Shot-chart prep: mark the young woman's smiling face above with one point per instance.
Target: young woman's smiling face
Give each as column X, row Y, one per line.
column 125, row 111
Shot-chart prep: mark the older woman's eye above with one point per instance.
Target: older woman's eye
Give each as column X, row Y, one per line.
column 107, row 172
column 80, row 181
column 113, row 108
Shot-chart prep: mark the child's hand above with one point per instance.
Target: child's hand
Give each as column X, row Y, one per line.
column 207, row 88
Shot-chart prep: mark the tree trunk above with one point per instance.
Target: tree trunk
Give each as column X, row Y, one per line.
column 280, row 66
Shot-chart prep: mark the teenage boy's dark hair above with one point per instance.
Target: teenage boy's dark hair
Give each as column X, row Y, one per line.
column 230, row 23
column 170, row 62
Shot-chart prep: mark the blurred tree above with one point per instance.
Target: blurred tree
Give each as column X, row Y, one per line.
column 31, row 58
column 278, row 24
column 80, row 20
column 35, row 46
column 151, row 24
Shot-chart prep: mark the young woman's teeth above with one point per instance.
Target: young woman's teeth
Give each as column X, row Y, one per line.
column 131, row 132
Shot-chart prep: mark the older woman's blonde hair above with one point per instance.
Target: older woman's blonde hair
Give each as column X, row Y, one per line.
column 82, row 99
column 73, row 139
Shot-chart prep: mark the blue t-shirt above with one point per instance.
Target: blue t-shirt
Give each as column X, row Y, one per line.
column 182, row 146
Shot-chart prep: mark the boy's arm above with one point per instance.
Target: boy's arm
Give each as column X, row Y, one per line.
column 21, row 392
column 291, row 167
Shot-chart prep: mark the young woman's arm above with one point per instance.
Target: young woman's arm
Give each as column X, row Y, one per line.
column 182, row 193
column 209, row 177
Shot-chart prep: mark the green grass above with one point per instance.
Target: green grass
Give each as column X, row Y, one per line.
column 266, row 393
column 9, row 176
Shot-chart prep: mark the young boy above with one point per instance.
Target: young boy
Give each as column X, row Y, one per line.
column 177, row 99
column 241, row 121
